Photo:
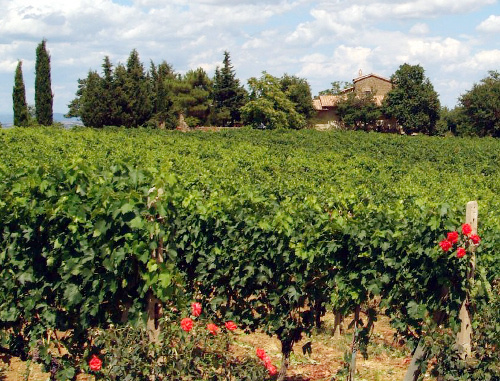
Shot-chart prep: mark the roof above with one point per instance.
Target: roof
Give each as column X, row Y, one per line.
column 371, row 75
column 323, row 102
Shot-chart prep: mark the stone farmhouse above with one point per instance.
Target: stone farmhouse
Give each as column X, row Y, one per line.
column 378, row 86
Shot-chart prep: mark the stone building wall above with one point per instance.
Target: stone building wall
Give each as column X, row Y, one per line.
column 377, row 85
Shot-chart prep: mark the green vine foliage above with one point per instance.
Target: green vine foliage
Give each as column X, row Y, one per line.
column 259, row 240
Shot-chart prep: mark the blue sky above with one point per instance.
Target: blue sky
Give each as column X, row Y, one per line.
column 456, row 41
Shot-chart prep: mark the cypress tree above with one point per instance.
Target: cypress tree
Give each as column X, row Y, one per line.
column 228, row 94
column 136, row 92
column 43, row 91
column 20, row 107
column 162, row 78
column 108, row 96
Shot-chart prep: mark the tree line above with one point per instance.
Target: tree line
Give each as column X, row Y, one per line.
column 415, row 105
column 43, row 113
column 128, row 95
column 131, row 96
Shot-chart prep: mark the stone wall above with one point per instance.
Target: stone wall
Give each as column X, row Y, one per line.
column 376, row 85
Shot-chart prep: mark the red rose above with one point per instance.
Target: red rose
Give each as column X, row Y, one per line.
column 260, row 353
column 95, row 363
column 272, row 369
column 266, row 359
column 187, row 324
column 213, row 328
column 196, row 309
column 230, row 325
column 453, row 237
column 475, row 239
column 466, row 229
column 461, row 252
column 445, row 245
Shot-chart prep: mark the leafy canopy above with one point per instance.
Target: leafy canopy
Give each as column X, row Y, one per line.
column 413, row 101
column 481, row 105
column 269, row 105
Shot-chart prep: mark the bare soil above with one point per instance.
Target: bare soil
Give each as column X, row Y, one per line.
column 387, row 360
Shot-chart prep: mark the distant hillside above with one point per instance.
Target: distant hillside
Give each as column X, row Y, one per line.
column 7, row 120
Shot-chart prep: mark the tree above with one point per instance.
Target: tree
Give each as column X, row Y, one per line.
column 412, row 101
column 122, row 116
column 108, row 94
column 228, row 95
column 136, row 92
column 299, row 92
column 481, row 105
column 193, row 97
column 93, row 107
column 95, row 103
column 43, row 92
column 269, row 106
column 337, row 87
column 21, row 116
column 161, row 78
column 359, row 112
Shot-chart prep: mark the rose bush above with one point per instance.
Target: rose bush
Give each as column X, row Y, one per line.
column 188, row 350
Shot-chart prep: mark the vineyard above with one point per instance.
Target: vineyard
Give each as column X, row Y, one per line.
column 267, row 229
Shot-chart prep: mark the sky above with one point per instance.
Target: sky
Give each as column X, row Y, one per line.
column 456, row 41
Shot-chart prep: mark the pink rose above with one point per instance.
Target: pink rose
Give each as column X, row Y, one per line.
column 466, row 229
column 213, row 328
column 196, row 309
column 475, row 239
column 461, row 252
column 445, row 245
column 95, row 363
column 230, row 325
column 271, row 369
column 187, row 324
column 260, row 353
column 453, row 237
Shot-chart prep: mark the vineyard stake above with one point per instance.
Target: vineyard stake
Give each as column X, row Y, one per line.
column 464, row 336
column 154, row 305
column 352, row 365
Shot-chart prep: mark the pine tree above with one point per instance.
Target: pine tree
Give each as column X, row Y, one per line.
column 228, row 96
column 43, row 91
column 192, row 97
column 21, row 116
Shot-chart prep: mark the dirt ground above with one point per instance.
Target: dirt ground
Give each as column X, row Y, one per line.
column 387, row 360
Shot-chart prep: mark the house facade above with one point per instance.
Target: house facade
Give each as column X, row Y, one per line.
column 374, row 84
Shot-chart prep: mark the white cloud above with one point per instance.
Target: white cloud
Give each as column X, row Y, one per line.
column 490, row 25
column 420, row 28
column 344, row 63
column 354, row 11
column 482, row 61
column 434, row 50
column 320, row 40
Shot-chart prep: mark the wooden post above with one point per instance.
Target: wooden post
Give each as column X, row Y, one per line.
column 338, row 327
column 154, row 305
column 464, row 337
column 352, row 365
